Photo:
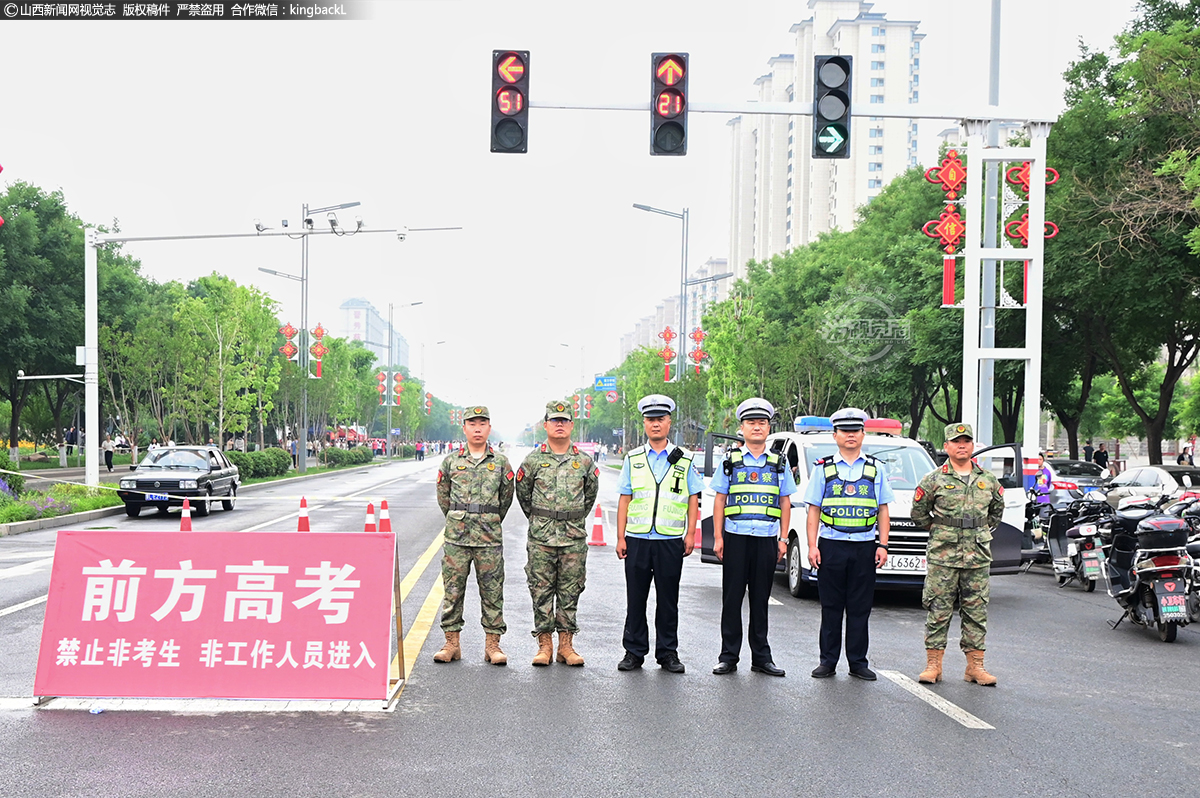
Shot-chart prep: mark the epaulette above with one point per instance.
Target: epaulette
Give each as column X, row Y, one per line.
column 574, row 449
column 542, row 448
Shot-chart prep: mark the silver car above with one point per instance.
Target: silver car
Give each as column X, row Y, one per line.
column 1153, row 482
column 1071, row 479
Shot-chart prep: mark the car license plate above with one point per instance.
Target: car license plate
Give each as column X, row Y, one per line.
column 1172, row 599
column 156, row 497
column 1091, row 566
column 1090, row 488
column 905, row 562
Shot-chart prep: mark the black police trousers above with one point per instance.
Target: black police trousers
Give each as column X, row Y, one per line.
column 747, row 565
column 659, row 562
column 846, row 581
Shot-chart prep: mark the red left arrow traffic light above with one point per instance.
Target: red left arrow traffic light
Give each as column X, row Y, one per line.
column 510, row 100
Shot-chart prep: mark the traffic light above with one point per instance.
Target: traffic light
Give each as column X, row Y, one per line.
column 831, row 106
column 398, row 388
column 587, row 406
column 575, row 399
column 429, row 404
column 382, row 387
column 510, row 100
column 668, row 103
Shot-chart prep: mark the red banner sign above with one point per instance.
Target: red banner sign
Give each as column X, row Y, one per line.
column 218, row 615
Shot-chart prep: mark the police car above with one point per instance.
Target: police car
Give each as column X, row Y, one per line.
column 905, row 462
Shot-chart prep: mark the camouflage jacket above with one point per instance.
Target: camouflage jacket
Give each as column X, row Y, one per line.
column 565, row 483
column 977, row 497
column 488, row 483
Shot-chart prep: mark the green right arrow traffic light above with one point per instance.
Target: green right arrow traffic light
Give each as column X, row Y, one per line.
column 831, row 106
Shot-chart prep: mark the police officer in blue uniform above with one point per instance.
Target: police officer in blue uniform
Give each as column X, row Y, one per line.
column 751, row 517
column 847, row 497
column 656, row 524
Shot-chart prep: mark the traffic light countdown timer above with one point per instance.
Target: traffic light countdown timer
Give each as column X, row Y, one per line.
column 510, row 100
column 831, row 106
column 668, row 103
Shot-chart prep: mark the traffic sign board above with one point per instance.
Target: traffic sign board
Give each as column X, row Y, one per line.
column 605, row 383
column 612, row 396
column 396, row 431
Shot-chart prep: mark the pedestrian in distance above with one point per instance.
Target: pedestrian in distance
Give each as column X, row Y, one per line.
column 474, row 491
column 847, row 526
column 751, row 518
column 960, row 504
column 109, row 447
column 1100, row 458
column 656, row 523
column 1088, row 451
column 556, row 487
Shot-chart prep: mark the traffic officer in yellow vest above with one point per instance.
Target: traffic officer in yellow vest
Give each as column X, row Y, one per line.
column 751, row 517
column 656, row 523
column 848, row 526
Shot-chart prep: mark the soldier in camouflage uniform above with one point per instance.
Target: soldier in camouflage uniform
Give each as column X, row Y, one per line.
column 960, row 504
column 474, row 490
column 556, row 488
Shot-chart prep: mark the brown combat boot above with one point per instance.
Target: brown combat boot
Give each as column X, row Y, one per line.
column 933, row 666
column 566, row 651
column 545, row 649
column 450, row 651
column 975, row 672
column 492, row 652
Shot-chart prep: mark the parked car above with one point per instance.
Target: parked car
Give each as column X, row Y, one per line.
column 1071, row 479
column 170, row 474
column 1154, row 482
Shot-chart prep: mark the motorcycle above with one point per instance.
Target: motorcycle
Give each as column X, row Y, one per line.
column 1085, row 544
column 1151, row 571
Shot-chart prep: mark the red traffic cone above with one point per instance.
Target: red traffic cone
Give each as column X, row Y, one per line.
column 185, row 521
column 370, row 526
column 598, row 529
column 385, row 522
column 302, row 522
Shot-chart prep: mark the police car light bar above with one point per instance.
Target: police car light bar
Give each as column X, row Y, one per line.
column 889, row 426
column 813, row 424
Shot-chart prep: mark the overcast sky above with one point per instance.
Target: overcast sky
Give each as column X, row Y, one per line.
column 180, row 128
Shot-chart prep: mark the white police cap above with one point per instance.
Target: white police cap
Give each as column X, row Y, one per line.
column 849, row 418
column 755, row 407
column 656, row 405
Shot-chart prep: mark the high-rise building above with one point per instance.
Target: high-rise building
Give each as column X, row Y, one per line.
column 783, row 198
column 706, row 284
column 361, row 322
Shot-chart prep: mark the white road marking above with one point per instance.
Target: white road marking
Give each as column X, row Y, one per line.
column 312, row 507
column 15, row 702
column 775, row 601
column 22, row 555
column 952, row 710
column 25, row 569
column 22, row 605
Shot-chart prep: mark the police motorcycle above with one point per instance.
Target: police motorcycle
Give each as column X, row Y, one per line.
column 1151, row 571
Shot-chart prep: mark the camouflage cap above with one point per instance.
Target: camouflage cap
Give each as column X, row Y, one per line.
column 558, row 409
column 476, row 411
column 959, row 430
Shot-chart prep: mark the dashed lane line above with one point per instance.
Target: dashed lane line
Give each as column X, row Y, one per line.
column 313, row 508
column 951, row 710
column 21, row 606
column 25, row 568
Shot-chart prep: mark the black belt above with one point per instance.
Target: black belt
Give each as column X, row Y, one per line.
column 559, row 515
column 960, row 523
column 475, row 508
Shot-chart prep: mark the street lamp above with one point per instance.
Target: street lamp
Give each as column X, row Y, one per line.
column 582, row 382
column 683, row 217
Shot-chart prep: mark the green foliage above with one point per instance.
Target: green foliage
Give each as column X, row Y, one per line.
column 272, row 462
column 14, row 482
column 359, row 455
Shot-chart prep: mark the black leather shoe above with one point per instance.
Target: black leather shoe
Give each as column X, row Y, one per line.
column 864, row 673
column 769, row 668
column 823, row 671
column 671, row 664
column 630, row 663
column 724, row 668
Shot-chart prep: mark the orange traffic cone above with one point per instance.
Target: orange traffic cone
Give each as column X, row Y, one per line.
column 185, row 521
column 370, row 526
column 598, row 529
column 302, row 523
column 385, row 522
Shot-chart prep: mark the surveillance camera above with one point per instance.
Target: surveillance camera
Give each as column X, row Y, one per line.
column 403, row 234
column 259, row 226
column 283, row 222
column 308, row 223
column 20, row 372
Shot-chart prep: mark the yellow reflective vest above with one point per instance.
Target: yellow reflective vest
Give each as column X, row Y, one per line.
column 661, row 506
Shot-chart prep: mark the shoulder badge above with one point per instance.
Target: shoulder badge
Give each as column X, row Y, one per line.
column 509, row 476
column 542, row 448
column 945, row 468
column 919, row 494
column 596, row 472
column 1000, row 490
column 520, row 473
column 574, row 449
column 439, row 478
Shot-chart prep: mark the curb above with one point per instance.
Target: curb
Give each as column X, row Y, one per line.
column 90, row 515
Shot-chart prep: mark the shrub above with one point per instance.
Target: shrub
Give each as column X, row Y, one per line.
column 260, row 464
column 342, row 457
column 15, row 482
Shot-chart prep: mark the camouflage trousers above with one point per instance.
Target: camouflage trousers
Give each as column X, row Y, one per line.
column 946, row 589
column 556, row 576
column 489, row 575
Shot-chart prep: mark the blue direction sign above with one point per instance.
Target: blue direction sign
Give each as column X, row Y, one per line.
column 606, row 384
column 397, row 431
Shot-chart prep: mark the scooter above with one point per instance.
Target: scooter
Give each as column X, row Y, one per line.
column 1152, row 573
column 1085, row 555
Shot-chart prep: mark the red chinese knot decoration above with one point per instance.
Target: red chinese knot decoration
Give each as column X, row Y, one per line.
column 950, row 173
column 288, row 331
column 947, row 228
column 289, row 350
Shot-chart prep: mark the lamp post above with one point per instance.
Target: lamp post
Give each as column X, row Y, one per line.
column 682, row 217
column 583, row 384
column 392, row 365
